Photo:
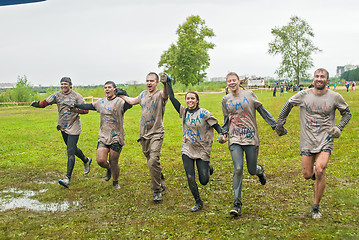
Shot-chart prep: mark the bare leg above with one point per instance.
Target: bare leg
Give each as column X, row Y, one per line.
column 320, row 182
column 115, row 169
column 101, row 157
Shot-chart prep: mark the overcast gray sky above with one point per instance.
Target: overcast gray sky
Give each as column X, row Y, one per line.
column 93, row 41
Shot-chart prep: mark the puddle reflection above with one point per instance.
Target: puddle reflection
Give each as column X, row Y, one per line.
column 9, row 201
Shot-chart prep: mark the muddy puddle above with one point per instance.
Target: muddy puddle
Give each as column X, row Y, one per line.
column 16, row 198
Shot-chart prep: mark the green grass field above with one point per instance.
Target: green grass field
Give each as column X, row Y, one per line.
column 33, row 158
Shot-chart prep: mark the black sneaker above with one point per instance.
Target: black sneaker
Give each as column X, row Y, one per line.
column 262, row 177
column 157, row 196
column 210, row 170
column 236, row 211
column 197, row 207
column 108, row 175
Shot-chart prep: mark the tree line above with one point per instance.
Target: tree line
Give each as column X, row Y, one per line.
column 186, row 60
column 351, row 75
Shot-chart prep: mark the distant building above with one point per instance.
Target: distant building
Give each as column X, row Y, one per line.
column 7, row 85
column 256, row 82
column 342, row 69
column 218, row 79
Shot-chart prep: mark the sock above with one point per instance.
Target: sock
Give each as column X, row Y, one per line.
column 315, row 207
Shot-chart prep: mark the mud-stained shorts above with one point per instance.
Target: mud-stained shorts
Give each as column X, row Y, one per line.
column 114, row 146
column 309, row 154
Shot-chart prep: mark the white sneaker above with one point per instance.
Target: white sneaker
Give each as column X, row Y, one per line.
column 87, row 165
column 65, row 182
column 316, row 214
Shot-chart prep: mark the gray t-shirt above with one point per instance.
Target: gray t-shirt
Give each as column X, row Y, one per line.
column 111, row 126
column 152, row 111
column 197, row 133
column 241, row 111
column 317, row 116
column 68, row 122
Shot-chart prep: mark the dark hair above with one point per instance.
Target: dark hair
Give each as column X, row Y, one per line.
column 196, row 94
column 322, row 70
column 66, row 79
column 111, row 82
column 156, row 75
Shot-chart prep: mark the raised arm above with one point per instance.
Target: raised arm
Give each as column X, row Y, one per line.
column 164, row 78
column 176, row 104
column 267, row 116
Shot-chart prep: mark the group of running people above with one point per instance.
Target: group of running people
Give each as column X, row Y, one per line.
column 239, row 106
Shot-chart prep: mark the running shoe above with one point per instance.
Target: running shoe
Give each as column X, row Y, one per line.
column 65, row 182
column 316, row 213
column 157, row 196
column 108, row 175
column 262, row 177
column 87, row 164
column 236, row 211
column 197, row 207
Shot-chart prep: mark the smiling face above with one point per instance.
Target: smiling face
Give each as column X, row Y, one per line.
column 66, row 87
column 233, row 83
column 320, row 79
column 191, row 100
column 151, row 83
column 109, row 91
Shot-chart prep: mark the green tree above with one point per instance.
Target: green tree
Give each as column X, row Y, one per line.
column 187, row 60
column 294, row 43
column 22, row 91
column 351, row 75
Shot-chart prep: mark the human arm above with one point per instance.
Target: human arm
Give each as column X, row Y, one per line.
column 164, row 79
column 336, row 130
column 283, row 118
column 84, row 106
column 176, row 104
column 130, row 100
column 39, row 104
column 267, row 116
column 126, row 106
column 222, row 138
column 218, row 128
column 122, row 92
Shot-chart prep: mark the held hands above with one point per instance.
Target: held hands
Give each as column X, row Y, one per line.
column 165, row 78
column 334, row 132
column 280, row 130
column 222, row 138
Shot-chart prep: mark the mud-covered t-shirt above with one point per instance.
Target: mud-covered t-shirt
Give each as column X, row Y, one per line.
column 68, row 122
column 152, row 111
column 317, row 116
column 111, row 126
column 241, row 111
column 197, row 133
